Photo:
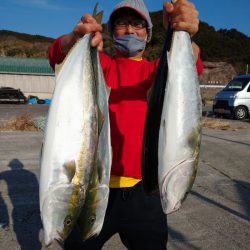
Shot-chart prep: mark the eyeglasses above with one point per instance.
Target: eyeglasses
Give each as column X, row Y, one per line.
column 137, row 24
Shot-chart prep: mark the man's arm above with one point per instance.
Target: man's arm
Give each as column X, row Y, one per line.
column 61, row 46
column 182, row 15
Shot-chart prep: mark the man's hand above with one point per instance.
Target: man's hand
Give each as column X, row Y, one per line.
column 181, row 15
column 86, row 24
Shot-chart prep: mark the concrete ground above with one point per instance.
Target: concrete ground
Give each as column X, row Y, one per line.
column 216, row 214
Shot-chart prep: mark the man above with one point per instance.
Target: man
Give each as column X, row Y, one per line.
column 137, row 218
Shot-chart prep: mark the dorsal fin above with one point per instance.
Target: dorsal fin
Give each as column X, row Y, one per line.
column 58, row 68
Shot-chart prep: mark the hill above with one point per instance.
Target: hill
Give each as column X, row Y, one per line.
column 16, row 44
column 229, row 46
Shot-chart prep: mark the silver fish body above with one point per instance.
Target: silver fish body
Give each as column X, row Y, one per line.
column 180, row 128
column 92, row 216
column 70, row 143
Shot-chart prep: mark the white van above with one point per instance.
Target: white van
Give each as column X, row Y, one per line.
column 234, row 99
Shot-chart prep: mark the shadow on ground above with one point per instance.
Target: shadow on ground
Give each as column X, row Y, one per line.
column 23, row 189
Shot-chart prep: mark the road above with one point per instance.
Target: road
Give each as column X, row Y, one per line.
column 216, row 214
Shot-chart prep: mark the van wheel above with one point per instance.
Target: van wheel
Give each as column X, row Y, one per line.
column 240, row 113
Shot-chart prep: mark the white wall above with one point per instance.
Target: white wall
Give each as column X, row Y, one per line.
column 39, row 85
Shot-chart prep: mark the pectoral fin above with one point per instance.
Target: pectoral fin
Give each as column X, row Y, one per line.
column 70, row 169
column 100, row 120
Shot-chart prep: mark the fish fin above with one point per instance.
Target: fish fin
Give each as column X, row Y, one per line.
column 108, row 89
column 56, row 243
column 99, row 171
column 70, row 169
column 41, row 151
column 149, row 93
column 95, row 10
column 97, row 16
column 169, row 43
column 100, row 120
column 58, row 68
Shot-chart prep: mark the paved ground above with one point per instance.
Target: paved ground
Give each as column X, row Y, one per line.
column 216, row 215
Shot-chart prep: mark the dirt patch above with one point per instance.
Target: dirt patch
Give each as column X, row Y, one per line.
column 223, row 124
column 22, row 122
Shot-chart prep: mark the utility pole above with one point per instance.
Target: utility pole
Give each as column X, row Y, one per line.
column 247, row 70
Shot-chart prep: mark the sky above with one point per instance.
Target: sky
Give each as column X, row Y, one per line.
column 53, row 18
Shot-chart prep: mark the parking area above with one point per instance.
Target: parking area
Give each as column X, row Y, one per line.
column 216, row 214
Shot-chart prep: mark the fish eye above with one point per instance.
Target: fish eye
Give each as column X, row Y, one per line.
column 68, row 221
column 92, row 219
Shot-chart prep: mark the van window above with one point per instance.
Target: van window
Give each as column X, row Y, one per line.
column 237, row 84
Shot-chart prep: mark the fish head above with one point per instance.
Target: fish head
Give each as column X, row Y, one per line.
column 90, row 227
column 92, row 216
column 60, row 226
column 87, row 220
column 53, row 223
column 59, row 215
column 68, row 224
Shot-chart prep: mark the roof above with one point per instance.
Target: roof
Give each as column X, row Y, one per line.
column 243, row 76
column 30, row 66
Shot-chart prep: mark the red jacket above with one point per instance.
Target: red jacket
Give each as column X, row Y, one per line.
column 129, row 81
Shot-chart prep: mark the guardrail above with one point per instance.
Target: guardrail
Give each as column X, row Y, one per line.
column 212, row 86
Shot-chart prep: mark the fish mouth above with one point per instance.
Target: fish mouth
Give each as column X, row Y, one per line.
column 92, row 233
column 55, row 244
column 54, row 240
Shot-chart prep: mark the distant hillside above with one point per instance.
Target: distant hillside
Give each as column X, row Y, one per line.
column 229, row 46
column 23, row 45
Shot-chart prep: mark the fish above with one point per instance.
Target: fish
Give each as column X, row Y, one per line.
column 91, row 219
column 92, row 215
column 172, row 133
column 149, row 158
column 70, row 142
column 181, row 125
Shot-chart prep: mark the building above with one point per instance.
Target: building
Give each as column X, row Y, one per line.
column 32, row 76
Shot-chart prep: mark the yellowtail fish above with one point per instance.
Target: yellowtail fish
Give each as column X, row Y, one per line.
column 172, row 133
column 71, row 141
column 94, row 209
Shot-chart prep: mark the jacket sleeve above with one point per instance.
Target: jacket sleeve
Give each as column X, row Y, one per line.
column 199, row 65
column 56, row 54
